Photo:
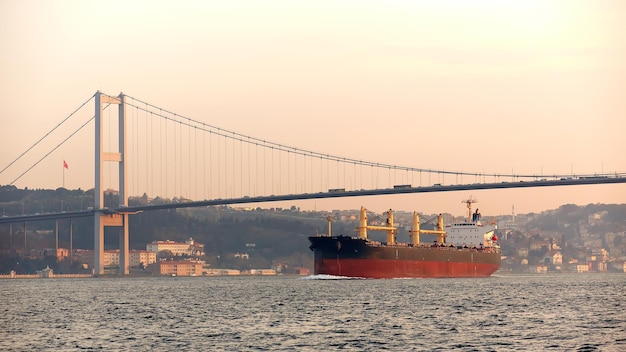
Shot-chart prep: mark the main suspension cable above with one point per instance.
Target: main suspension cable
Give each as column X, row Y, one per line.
column 53, row 149
column 46, row 135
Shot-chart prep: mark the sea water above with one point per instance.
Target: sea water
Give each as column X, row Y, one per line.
column 565, row 312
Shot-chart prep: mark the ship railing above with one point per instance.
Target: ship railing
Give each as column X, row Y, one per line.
column 448, row 247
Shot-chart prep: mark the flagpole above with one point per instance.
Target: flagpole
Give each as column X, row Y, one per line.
column 64, row 167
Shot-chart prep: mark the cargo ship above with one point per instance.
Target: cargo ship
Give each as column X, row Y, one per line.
column 464, row 249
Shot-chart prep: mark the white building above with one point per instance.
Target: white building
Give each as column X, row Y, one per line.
column 135, row 258
column 580, row 268
column 190, row 247
column 111, row 257
column 222, row 272
column 142, row 258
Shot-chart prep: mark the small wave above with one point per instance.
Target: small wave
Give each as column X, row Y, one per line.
column 330, row 277
column 337, row 277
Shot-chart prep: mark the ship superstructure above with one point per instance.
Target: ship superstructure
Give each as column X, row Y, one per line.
column 472, row 232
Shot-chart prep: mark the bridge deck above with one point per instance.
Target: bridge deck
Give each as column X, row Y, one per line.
column 330, row 194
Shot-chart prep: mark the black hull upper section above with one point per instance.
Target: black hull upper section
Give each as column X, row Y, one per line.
column 356, row 248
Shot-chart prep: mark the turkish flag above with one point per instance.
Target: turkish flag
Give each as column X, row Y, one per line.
column 65, row 165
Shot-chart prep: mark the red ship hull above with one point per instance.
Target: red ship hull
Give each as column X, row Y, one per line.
column 354, row 257
column 386, row 269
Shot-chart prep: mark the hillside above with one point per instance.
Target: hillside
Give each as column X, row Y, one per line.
column 267, row 235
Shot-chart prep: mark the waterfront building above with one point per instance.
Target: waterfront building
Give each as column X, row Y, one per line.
column 59, row 253
column 178, row 268
column 538, row 269
column 580, row 268
column 263, row 272
column 222, row 272
column 554, row 257
column 141, row 257
column 112, row 257
column 601, row 254
column 302, row 271
column 539, row 244
column 599, row 266
column 190, row 247
column 83, row 256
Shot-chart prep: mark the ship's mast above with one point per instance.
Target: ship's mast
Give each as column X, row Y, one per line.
column 330, row 221
column 390, row 228
column 417, row 231
column 469, row 202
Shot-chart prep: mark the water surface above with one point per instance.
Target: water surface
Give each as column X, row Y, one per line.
column 577, row 312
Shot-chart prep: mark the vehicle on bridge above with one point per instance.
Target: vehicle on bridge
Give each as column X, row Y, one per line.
column 592, row 177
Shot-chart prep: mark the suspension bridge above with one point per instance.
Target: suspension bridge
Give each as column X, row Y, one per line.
column 179, row 162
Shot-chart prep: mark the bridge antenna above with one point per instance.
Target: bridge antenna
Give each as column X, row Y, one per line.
column 469, row 203
column 330, row 221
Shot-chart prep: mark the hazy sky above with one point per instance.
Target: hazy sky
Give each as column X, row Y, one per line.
column 479, row 86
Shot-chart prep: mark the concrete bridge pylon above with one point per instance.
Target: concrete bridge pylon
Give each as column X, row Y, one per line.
column 103, row 217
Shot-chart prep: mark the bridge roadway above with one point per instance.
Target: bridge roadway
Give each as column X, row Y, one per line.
column 337, row 193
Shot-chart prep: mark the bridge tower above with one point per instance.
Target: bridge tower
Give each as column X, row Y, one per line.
column 103, row 217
